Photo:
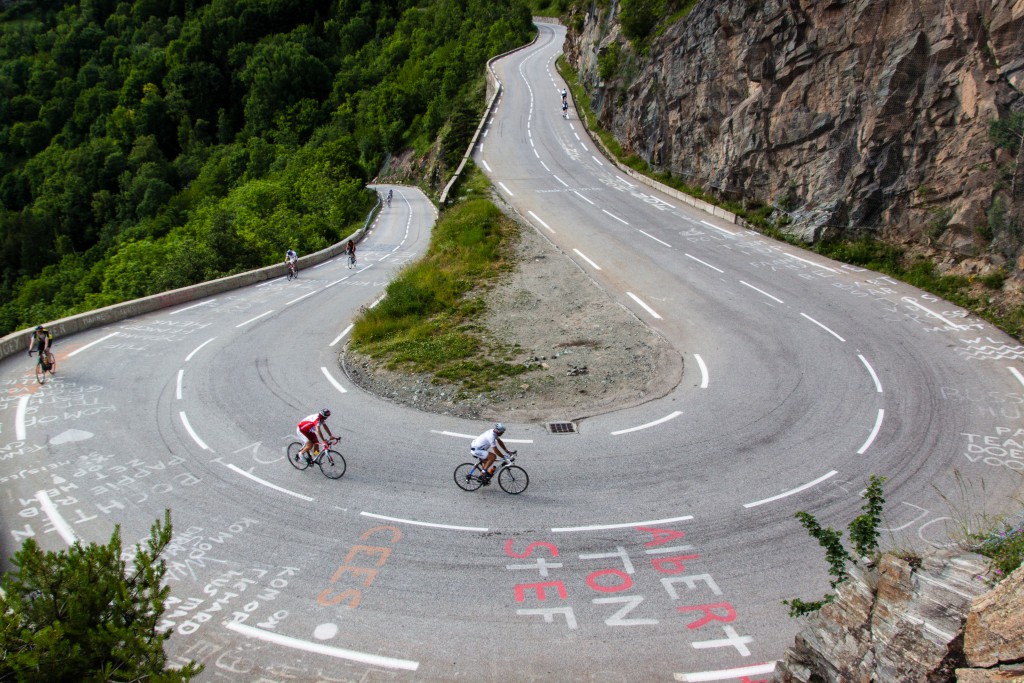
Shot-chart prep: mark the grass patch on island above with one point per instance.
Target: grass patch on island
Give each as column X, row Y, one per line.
column 431, row 319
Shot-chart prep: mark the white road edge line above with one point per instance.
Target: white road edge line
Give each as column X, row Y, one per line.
column 267, row 483
column 189, row 308
column 774, row 298
column 506, row 189
column 254, row 319
column 791, row 492
column 874, row 432
column 1016, row 373
column 342, row 335
column 653, row 238
column 647, row 308
column 601, row 527
column 19, row 418
column 597, row 160
column 878, row 385
column 809, row 262
column 196, row 350
column 583, row 256
column 90, row 344
column 537, row 218
column 911, row 302
column 191, row 432
column 484, row 162
column 726, row 674
column 429, row 524
column 59, row 523
column 703, row 371
column 823, row 327
column 703, row 263
column 177, row 390
column 337, row 385
column 320, row 649
column 712, row 225
column 670, row 416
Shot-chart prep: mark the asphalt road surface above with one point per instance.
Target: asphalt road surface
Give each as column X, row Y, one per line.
column 653, row 543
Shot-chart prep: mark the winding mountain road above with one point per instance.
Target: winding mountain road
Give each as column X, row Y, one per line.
column 654, row 543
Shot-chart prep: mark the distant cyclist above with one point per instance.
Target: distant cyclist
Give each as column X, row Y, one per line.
column 40, row 342
column 486, row 448
column 565, row 109
column 391, row 193
column 350, row 251
column 292, row 259
column 564, row 94
column 311, row 428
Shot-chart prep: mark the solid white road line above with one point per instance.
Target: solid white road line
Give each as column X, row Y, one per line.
column 703, row 263
column 255, row 319
column 336, row 383
column 657, row 422
column 874, row 432
column 726, row 674
column 809, row 262
column 537, row 218
column 318, row 648
column 177, row 391
column 502, row 185
column 342, row 335
column 791, row 492
column 189, row 308
column 878, row 385
column 19, row 418
column 654, row 238
column 191, row 432
column 910, row 302
column 601, row 527
column 59, row 523
column 90, row 344
column 712, row 225
column 428, row 524
column 267, row 483
column 582, row 256
column 703, row 371
column 1016, row 373
column 196, row 350
column 761, row 291
column 823, row 327
column 647, row 308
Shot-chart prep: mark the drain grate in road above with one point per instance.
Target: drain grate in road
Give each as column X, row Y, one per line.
column 561, row 428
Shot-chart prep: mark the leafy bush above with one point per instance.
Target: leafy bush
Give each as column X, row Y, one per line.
column 1004, row 548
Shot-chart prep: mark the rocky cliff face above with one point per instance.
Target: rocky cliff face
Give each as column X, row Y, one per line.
column 853, row 115
column 932, row 623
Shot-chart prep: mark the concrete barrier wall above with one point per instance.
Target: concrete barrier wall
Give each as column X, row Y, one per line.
column 17, row 342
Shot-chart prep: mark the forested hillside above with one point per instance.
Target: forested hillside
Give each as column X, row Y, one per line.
column 153, row 144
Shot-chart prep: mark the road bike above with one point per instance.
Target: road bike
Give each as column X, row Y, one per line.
column 331, row 462
column 512, row 478
column 47, row 365
column 293, row 270
column 351, row 259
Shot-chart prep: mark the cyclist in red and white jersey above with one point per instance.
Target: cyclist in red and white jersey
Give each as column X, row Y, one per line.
column 311, row 428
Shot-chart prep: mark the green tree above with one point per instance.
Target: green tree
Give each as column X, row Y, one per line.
column 863, row 533
column 81, row 615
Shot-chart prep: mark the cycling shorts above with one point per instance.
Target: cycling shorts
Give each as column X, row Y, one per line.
column 308, row 435
column 479, row 452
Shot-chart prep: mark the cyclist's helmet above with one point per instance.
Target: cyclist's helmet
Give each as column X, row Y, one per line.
column 500, row 428
column 325, row 413
column 38, row 327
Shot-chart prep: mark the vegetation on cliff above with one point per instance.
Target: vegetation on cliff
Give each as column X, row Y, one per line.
column 146, row 146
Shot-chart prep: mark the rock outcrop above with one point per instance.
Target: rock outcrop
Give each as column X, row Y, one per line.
column 852, row 115
column 932, row 622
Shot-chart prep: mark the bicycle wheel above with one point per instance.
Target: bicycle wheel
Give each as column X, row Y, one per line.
column 332, row 464
column 299, row 462
column 40, row 373
column 513, row 479
column 467, row 476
